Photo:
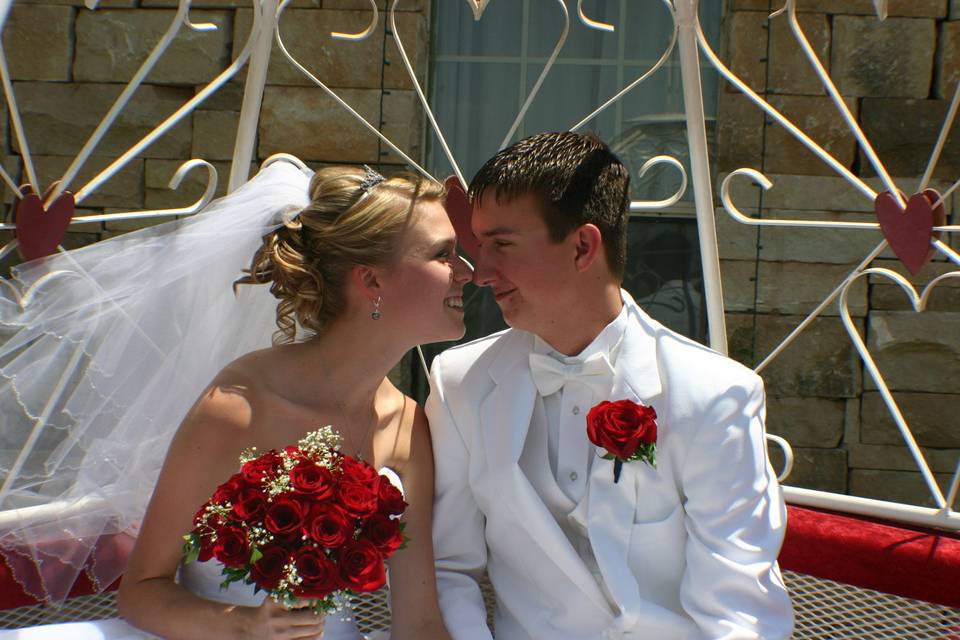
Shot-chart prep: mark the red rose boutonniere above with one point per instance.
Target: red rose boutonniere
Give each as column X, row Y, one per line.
column 627, row 430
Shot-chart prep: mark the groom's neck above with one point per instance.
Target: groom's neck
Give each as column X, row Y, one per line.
column 571, row 332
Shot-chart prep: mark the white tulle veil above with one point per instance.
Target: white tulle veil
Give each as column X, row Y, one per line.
column 102, row 352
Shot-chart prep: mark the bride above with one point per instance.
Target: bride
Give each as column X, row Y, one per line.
column 365, row 271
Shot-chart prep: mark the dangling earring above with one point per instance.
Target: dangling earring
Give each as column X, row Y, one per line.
column 376, row 308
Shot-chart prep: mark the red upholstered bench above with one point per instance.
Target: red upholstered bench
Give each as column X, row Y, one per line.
column 855, row 577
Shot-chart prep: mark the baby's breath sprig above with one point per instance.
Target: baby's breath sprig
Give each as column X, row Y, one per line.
column 320, row 444
column 248, row 454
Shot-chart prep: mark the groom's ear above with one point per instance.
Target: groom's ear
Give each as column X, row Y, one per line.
column 588, row 246
column 367, row 281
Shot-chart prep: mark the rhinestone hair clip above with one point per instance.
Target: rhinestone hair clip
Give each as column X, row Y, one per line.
column 370, row 179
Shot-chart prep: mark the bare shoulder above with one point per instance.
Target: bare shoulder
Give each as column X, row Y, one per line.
column 224, row 416
column 406, row 434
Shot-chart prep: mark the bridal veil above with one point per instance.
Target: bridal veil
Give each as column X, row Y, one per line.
column 102, row 352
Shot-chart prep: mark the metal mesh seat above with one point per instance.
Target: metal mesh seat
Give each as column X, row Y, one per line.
column 825, row 610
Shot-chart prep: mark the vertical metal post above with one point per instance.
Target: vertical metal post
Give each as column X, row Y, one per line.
column 264, row 21
column 700, row 170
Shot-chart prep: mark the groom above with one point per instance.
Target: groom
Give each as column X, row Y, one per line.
column 685, row 548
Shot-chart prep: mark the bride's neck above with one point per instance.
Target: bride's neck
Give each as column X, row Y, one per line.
column 347, row 362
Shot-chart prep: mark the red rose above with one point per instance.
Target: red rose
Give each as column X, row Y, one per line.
column 390, row 501
column 358, row 499
column 255, row 470
column 319, row 574
column 329, row 525
column 249, row 505
column 621, row 427
column 361, row 566
column 228, row 491
column 357, row 471
column 285, row 516
column 310, row 478
column 384, row 533
column 267, row 571
column 231, row 547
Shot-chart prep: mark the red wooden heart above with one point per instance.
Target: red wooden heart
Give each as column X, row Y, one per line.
column 460, row 212
column 910, row 230
column 39, row 231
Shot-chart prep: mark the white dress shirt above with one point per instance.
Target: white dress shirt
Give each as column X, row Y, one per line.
column 569, row 450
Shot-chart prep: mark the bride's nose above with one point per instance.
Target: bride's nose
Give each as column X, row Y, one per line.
column 462, row 270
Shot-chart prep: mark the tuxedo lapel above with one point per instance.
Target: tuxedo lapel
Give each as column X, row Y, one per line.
column 505, row 416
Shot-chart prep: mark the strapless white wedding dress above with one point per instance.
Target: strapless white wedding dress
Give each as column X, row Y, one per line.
column 204, row 578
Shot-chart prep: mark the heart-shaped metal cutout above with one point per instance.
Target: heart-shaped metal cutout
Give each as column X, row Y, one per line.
column 460, row 213
column 478, row 7
column 919, row 303
column 40, row 230
column 910, row 230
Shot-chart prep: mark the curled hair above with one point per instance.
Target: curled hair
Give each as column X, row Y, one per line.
column 306, row 260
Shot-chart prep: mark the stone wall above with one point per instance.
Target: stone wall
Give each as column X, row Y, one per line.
column 68, row 64
column 897, row 76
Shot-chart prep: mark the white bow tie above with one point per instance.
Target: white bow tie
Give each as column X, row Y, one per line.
column 549, row 374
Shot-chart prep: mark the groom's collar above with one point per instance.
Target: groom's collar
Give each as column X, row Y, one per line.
column 606, row 342
column 636, row 364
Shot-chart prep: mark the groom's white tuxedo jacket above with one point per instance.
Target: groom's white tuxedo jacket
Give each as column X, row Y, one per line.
column 686, row 550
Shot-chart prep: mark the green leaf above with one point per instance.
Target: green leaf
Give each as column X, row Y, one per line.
column 255, row 554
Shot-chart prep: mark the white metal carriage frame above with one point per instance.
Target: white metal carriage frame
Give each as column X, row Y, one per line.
column 689, row 40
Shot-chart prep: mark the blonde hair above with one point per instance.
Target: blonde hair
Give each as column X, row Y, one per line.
column 306, row 261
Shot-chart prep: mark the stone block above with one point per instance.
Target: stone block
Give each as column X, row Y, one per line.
column 819, row 469
column 159, row 195
column 361, row 5
column 214, row 134
column 895, row 486
column 803, row 193
column 904, row 132
column 123, row 190
column 59, row 118
column 954, row 10
column 898, row 458
column 809, row 244
column 819, row 362
column 739, row 285
column 339, row 63
column 948, row 60
column 886, row 295
column 932, row 418
column 11, row 164
column 787, row 287
column 807, row 422
column 107, row 53
column 229, row 97
column 893, row 58
column 820, row 120
column 916, row 351
column 736, row 241
column 310, row 125
column 895, row 8
column 799, row 287
column 790, row 70
column 740, row 132
column 746, row 47
column 38, row 42
column 102, row 4
column 402, row 124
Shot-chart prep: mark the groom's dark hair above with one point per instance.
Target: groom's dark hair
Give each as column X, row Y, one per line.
column 577, row 179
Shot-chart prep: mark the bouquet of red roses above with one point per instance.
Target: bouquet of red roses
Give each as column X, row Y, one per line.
column 303, row 524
